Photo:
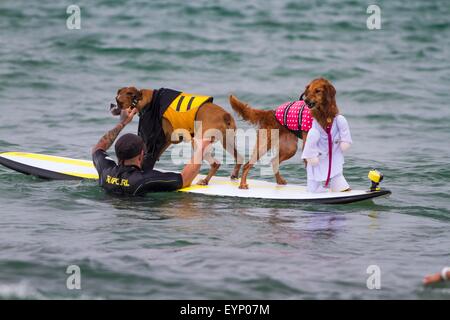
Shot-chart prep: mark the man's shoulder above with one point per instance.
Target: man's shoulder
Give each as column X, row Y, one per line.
column 102, row 161
column 101, row 154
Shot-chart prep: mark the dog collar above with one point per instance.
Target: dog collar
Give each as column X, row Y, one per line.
column 134, row 102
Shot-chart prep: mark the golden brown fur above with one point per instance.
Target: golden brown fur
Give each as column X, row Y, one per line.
column 320, row 92
column 211, row 115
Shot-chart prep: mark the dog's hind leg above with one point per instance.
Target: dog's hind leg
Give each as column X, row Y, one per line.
column 260, row 150
column 229, row 144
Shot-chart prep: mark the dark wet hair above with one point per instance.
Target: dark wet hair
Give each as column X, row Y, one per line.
column 128, row 146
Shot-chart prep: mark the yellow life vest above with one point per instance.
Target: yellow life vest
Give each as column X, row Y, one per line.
column 182, row 111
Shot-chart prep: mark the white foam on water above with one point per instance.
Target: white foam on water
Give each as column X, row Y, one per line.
column 21, row 290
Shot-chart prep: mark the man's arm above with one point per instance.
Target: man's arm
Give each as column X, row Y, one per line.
column 171, row 181
column 108, row 138
column 437, row 277
column 191, row 169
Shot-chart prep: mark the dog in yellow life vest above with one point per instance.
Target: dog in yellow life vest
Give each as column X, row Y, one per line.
column 165, row 111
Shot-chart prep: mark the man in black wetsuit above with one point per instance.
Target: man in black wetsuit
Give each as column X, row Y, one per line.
column 127, row 178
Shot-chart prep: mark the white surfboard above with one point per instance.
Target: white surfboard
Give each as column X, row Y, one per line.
column 61, row 168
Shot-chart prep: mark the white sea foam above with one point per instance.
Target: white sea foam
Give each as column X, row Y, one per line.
column 21, row 290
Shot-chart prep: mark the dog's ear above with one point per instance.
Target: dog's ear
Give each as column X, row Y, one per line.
column 118, row 91
column 331, row 91
column 302, row 95
column 331, row 97
column 137, row 94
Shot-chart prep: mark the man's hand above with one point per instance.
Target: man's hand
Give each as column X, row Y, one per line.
column 126, row 116
column 191, row 169
column 108, row 138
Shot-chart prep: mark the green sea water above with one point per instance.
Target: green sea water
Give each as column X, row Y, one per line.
column 392, row 85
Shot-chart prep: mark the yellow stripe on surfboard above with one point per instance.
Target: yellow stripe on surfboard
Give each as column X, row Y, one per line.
column 192, row 187
column 82, row 175
column 83, row 163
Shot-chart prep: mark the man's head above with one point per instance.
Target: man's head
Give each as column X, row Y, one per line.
column 130, row 148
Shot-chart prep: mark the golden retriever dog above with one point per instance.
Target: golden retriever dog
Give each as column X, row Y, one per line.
column 319, row 97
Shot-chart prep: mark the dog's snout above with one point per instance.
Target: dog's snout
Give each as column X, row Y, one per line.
column 310, row 103
column 115, row 110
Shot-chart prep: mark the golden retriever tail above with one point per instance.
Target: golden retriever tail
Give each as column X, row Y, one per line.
column 247, row 113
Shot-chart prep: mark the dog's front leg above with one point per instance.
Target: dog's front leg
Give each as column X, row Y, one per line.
column 215, row 165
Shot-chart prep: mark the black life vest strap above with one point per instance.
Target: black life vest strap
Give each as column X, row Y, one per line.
column 285, row 114
column 300, row 118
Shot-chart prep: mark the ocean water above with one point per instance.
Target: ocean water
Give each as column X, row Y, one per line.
column 392, row 85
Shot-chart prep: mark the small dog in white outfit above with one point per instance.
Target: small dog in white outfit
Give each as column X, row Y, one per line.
column 327, row 140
